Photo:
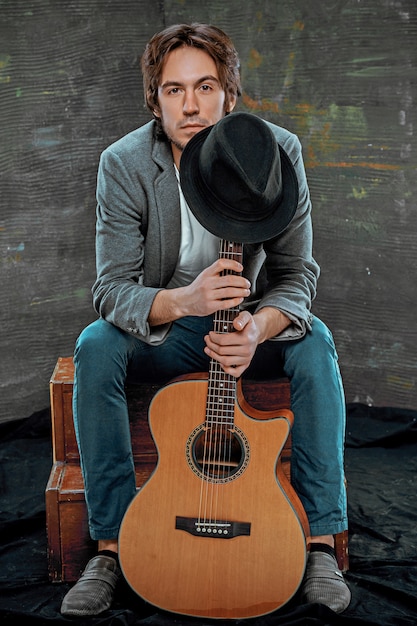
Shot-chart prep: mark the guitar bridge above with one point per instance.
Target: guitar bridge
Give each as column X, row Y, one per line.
column 215, row 529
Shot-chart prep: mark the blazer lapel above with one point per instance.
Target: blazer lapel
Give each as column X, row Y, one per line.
column 168, row 211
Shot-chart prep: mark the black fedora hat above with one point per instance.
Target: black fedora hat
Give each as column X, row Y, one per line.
column 238, row 182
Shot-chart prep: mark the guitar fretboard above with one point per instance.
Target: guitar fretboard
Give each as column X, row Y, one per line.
column 221, row 386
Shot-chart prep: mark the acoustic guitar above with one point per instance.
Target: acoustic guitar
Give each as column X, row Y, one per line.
column 217, row 531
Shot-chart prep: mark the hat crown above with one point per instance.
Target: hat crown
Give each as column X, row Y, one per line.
column 240, row 164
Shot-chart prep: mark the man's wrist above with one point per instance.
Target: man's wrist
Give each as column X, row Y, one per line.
column 271, row 322
column 167, row 306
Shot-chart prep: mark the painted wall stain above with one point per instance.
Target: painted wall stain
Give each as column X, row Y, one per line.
column 263, row 105
column 5, row 62
column 406, row 384
column 317, row 126
column 81, row 293
column 255, row 59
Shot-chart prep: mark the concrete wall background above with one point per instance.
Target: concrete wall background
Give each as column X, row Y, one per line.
column 342, row 74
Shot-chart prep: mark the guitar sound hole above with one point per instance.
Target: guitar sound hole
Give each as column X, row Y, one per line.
column 218, row 453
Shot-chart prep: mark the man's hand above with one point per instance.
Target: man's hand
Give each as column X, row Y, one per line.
column 235, row 350
column 216, row 288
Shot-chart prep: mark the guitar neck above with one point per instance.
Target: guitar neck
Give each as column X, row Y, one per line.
column 221, row 386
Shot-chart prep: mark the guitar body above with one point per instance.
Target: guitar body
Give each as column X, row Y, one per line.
column 206, row 542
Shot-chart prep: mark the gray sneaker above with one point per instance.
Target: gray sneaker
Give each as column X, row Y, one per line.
column 324, row 583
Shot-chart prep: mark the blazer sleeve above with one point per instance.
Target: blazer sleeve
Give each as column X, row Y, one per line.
column 119, row 293
column 291, row 273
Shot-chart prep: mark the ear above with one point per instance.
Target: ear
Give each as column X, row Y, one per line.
column 231, row 104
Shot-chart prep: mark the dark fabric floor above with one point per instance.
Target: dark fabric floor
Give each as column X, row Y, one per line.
column 381, row 469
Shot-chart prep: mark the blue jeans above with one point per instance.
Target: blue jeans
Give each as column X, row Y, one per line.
column 106, row 357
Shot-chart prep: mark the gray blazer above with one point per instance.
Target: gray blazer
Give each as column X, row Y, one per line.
column 138, row 236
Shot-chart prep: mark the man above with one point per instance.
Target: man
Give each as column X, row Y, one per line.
column 159, row 282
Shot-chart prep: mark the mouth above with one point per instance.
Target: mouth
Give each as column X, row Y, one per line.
column 193, row 126
column 192, row 129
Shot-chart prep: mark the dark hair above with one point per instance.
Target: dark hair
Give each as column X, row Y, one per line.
column 209, row 38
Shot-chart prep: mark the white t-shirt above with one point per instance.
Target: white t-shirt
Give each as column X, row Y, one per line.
column 198, row 247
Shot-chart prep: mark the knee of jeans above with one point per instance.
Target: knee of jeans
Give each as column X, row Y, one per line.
column 99, row 336
column 316, row 347
column 321, row 334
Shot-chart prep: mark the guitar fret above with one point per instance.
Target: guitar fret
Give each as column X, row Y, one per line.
column 222, row 406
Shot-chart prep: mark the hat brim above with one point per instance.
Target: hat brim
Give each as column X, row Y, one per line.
column 212, row 212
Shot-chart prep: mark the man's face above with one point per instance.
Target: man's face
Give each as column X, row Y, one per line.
column 190, row 96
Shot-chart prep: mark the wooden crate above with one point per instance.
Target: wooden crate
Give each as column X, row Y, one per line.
column 69, row 544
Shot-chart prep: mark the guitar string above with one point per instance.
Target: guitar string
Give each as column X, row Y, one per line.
column 218, row 437
column 206, row 491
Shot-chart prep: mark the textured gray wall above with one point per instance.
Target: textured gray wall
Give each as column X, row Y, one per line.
column 339, row 73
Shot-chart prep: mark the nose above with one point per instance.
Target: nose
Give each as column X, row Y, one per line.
column 190, row 105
